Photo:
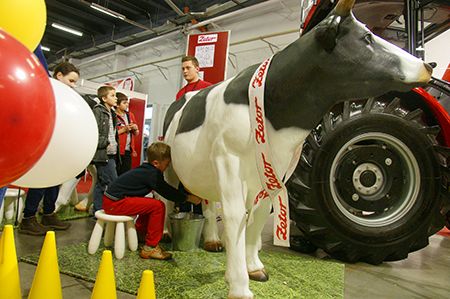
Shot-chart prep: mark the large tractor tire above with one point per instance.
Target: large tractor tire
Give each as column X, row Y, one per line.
column 369, row 184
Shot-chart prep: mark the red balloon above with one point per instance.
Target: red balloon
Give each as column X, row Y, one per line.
column 27, row 113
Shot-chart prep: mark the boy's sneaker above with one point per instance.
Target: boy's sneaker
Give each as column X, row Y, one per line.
column 52, row 221
column 30, row 226
column 157, row 253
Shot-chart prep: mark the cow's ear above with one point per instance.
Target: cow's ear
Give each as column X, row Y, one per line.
column 344, row 7
column 327, row 32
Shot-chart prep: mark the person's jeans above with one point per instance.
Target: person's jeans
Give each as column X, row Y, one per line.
column 125, row 163
column 34, row 197
column 2, row 194
column 106, row 173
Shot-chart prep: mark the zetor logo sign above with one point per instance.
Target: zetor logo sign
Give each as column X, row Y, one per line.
column 207, row 38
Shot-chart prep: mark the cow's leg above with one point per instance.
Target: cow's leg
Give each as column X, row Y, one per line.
column 210, row 229
column 232, row 196
column 255, row 226
column 171, row 177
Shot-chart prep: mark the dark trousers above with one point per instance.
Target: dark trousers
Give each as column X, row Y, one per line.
column 106, row 173
column 124, row 164
column 2, row 194
column 34, row 197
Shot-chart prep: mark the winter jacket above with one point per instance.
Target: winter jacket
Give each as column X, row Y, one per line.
column 102, row 116
column 123, row 136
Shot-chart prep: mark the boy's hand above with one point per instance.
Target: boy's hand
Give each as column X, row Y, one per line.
column 133, row 127
column 194, row 199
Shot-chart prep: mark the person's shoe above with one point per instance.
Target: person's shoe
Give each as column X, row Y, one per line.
column 157, row 253
column 30, row 226
column 82, row 206
column 52, row 221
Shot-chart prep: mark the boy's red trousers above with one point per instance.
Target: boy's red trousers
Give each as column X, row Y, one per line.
column 150, row 222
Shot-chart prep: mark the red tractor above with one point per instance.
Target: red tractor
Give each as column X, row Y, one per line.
column 373, row 181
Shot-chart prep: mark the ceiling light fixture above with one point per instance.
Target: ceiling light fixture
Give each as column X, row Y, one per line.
column 107, row 11
column 67, row 29
column 44, row 48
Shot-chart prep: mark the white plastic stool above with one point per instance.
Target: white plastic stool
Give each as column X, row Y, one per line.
column 117, row 222
column 12, row 205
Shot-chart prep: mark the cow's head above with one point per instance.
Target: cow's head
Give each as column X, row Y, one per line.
column 358, row 61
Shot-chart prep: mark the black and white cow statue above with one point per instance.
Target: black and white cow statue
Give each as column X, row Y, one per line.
column 213, row 140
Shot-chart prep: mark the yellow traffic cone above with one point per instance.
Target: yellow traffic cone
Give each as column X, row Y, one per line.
column 9, row 268
column 105, row 283
column 147, row 287
column 46, row 281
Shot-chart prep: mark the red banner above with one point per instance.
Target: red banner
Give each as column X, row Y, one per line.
column 137, row 107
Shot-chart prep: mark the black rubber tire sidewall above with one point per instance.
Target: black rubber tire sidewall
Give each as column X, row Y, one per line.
column 416, row 219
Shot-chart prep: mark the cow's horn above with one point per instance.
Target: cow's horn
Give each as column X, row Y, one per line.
column 344, row 7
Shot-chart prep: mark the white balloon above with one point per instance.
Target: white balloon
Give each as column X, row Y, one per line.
column 72, row 145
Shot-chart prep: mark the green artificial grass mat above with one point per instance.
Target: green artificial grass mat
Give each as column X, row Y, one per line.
column 66, row 213
column 200, row 274
column 69, row 213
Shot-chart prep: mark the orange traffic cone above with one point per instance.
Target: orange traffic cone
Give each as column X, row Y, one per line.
column 9, row 268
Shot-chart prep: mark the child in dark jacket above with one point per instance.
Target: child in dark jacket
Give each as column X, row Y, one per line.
column 126, row 196
column 108, row 144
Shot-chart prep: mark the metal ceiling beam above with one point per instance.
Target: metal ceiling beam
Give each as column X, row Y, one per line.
column 156, row 62
column 70, row 12
column 162, row 31
column 90, row 30
column 131, row 22
column 175, row 7
column 130, row 11
column 149, row 3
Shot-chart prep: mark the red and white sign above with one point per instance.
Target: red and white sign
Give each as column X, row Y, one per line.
column 124, row 83
column 211, row 50
column 207, row 38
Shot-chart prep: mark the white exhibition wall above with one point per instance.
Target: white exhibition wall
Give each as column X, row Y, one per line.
column 256, row 33
column 438, row 50
column 162, row 80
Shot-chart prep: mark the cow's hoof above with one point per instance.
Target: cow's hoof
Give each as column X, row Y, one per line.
column 214, row 246
column 259, row 275
column 249, row 296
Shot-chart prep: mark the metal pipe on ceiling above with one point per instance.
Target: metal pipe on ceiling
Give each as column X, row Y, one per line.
column 261, row 38
column 175, row 7
column 191, row 27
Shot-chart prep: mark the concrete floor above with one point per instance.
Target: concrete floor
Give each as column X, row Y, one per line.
column 425, row 274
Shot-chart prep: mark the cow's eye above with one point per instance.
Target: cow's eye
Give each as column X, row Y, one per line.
column 368, row 38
